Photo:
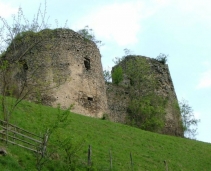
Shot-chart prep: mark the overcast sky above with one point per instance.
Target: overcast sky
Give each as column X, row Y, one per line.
column 178, row 28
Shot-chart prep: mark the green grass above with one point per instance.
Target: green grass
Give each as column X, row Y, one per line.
column 149, row 150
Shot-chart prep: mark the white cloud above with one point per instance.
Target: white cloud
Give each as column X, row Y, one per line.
column 122, row 22
column 6, row 10
column 205, row 80
column 200, row 10
column 117, row 22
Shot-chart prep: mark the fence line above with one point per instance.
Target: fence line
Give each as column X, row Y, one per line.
column 131, row 162
column 4, row 122
column 19, row 145
column 23, row 138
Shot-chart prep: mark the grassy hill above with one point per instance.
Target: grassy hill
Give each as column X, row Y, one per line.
column 149, row 150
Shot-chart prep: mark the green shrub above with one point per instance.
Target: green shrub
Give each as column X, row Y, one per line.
column 162, row 58
column 147, row 112
column 117, row 75
column 88, row 34
column 105, row 116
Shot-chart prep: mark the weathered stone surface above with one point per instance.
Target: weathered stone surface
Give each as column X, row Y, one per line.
column 118, row 99
column 64, row 69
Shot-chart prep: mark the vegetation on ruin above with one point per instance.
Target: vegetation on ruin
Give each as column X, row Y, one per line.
column 88, row 34
column 162, row 58
column 147, row 112
column 117, row 75
column 149, row 150
column 146, row 109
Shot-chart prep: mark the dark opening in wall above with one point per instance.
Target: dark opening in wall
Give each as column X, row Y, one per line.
column 87, row 63
column 24, row 64
column 90, row 98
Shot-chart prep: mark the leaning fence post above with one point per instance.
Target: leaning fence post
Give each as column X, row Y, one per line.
column 89, row 156
column 110, row 155
column 44, row 145
column 6, row 132
column 131, row 161
column 165, row 163
column 14, row 134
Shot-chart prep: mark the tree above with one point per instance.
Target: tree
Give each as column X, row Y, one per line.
column 55, row 133
column 188, row 119
column 88, row 34
column 107, row 76
column 20, row 43
column 117, row 75
column 117, row 60
column 127, row 52
column 10, row 39
column 20, row 66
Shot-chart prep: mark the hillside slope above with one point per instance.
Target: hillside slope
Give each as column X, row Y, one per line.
column 149, row 150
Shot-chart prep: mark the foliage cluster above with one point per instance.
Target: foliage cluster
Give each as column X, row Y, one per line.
column 107, row 75
column 117, row 75
column 21, row 24
column 162, row 58
column 188, row 119
column 88, row 34
column 118, row 60
column 146, row 110
column 147, row 113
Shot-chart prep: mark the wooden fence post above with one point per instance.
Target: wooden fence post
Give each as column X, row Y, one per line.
column 44, row 145
column 165, row 163
column 110, row 155
column 131, row 161
column 89, row 156
column 7, row 132
column 15, row 130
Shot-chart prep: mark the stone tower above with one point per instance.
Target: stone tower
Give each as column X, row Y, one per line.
column 119, row 96
column 59, row 67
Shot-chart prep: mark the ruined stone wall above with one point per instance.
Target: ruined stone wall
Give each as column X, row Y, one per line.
column 64, row 69
column 119, row 98
column 173, row 122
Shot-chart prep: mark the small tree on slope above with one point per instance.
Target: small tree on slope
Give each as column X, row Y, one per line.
column 189, row 121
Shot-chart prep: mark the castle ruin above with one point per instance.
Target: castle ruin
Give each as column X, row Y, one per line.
column 62, row 67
